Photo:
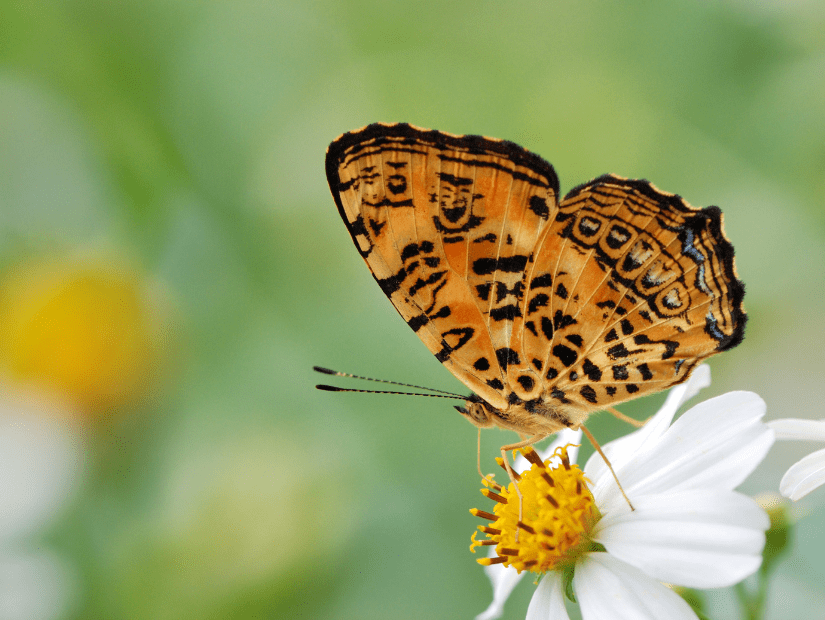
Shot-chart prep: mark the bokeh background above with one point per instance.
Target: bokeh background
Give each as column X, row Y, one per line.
column 172, row 266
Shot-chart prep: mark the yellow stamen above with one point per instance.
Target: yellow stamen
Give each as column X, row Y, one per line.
column 559, row 513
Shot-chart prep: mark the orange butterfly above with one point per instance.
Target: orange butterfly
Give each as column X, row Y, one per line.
column 547, row 309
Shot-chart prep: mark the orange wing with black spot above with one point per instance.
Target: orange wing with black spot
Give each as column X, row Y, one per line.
column 637, row 287
column 617, row 291
column 447, row 225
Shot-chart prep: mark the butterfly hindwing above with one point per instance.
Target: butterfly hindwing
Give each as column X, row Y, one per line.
column 644, row 288
column 447, row 225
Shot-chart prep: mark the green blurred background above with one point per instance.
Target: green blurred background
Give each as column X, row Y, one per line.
column 180, row 146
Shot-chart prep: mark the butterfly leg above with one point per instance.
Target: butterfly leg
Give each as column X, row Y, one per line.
column 511, row 472
column 607, row 462
column 488, row 477
column 625, row 418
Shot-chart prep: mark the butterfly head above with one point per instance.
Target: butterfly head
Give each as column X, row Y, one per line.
column 477, row 411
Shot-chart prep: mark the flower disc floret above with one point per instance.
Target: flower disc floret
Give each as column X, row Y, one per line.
column 558, row 515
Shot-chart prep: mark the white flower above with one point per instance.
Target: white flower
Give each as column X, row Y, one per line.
column 40, row 463
column 809, row 473
column 689, row 527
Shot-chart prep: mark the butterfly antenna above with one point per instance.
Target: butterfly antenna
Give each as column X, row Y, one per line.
column 335, row 373
column 332, row 388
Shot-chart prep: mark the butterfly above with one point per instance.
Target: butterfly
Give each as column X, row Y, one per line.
column 547, row 308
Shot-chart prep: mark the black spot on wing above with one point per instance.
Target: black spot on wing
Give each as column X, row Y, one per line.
column 611, row 335
column 561, row 291
column 397, row 183
column 591, row 370
column 575, row 339
column 620, row 372
column 418, row 321
column 539, row 301
column 482, row 363
column 527, row 382
column 502, row 291
column 358, row 229
column 392, row 283
column 566, row 355
column 507, row 356
column 645, row 371
column 552, row 373
column 376, row 226
column 472, row 222
column 618, row 351
column 496, row 384
column 505, row 313
column 589, row 394
column 670, row 345
column 627, row 328
column 421, row 283
column 414, row 249
column 632, row 388
column 547, row 328
column 543, row 281
column 561, row 320
column 464, row 334
column 539, row 206
column 506, row 264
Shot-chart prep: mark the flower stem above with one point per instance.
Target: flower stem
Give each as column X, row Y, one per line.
column 753, row 605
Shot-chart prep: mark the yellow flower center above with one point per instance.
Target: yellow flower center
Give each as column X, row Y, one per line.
column 558, row 514
column 83, row 330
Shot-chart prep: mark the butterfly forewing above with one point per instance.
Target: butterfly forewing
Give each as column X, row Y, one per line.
column 617, row 291
column 447, row 225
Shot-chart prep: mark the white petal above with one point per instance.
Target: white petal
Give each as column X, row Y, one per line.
column 699, row 379
column 503, row 579
column 803, row 430
column 625, row 448
column 548, row 601
column 35, row 586
column 715, row 444
column 609, row 589
column 697, row 538
column 804, row 476
column 40, row 461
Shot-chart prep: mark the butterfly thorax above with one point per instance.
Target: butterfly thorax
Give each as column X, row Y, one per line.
column 535, row 417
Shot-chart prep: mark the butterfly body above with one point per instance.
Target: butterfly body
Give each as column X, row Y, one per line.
column 539, row 417
column 547, row 308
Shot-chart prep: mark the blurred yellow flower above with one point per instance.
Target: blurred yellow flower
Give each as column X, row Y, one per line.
column 81, row 329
